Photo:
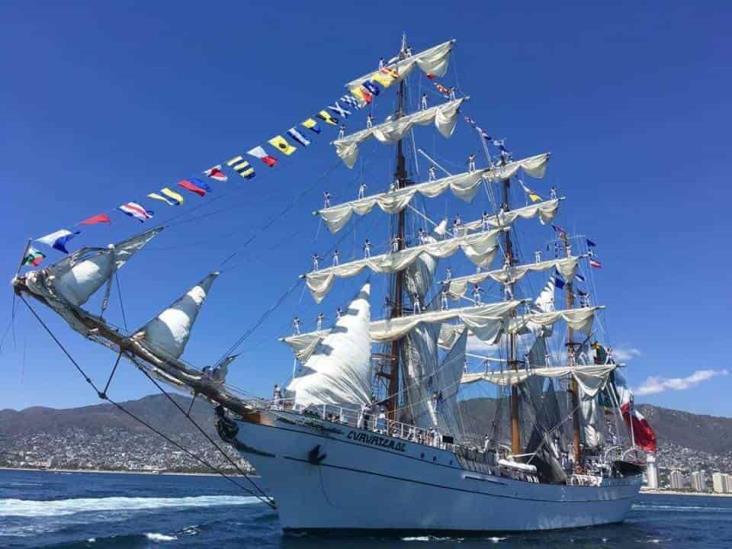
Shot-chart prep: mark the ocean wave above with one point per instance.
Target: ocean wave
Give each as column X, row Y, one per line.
column 61, row 507
column 156, row 536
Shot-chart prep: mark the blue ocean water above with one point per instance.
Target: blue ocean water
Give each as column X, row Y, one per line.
column 47, row 509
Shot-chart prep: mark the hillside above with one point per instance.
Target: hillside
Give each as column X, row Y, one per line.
column 101, row 436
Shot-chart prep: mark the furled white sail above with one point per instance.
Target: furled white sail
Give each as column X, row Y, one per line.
column 77, row 277
column 485, row 321
column 339, row 370
column 444, row 117
column 546, row 211
column 578, row 319
column 591, row 376
column 463, row 185
column 433, row 62
column 480, row 248
column 168, row 333
column 567, row 266
column 592, row 434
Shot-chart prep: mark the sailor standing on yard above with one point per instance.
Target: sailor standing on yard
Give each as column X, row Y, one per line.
column 485, row 220
column 444, row 303
column 395, row 244
column 369, row 121
column 342, row 131
column 423, row 102
column 432, row 173
column 316, row 262
column 277, row 397
column 362, row 190
column 366, row 248
column 477, row 290
column 296, row 323
column 336, row 258
column 326, row 199
column 471, row 162
column 416, row 305
column 319, row 321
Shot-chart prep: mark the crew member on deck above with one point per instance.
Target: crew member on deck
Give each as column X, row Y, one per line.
column 277, row 397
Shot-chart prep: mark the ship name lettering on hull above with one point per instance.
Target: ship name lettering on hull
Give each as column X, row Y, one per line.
column 376, row 440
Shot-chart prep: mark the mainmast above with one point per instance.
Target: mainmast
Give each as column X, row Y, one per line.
column 512, row 362
column 400, row 181
column 571, row 352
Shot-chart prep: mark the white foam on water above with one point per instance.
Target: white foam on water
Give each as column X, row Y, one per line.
column 497, row 540
column 417, row 538
column 684, row 508
column 54, row 508
column 156, row 536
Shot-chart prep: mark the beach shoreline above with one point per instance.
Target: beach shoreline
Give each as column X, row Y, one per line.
column 106, row 471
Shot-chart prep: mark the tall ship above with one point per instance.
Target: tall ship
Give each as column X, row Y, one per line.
column 465, row 387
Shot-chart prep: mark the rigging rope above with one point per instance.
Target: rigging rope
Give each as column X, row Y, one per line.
column 121, row 408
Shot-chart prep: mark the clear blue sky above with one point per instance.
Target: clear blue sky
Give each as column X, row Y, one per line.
column 103, row 103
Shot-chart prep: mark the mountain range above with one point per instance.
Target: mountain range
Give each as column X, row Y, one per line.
column 101, row 436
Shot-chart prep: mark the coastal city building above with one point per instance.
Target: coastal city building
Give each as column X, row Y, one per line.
column 719, row 483
column 699, row 481
column 677, row 480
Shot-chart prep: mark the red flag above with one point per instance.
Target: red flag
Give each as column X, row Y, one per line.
column 643, row 433
column 190, row 186
column 93, row 220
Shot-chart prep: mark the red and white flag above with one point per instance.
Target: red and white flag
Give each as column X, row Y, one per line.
column 216, row 173
column 643, row 434
column 133, row 209
column 595, row 263
column 259, row 152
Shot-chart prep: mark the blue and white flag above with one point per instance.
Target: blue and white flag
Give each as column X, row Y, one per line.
column 297, row 136
column 58, row 239
column 579, row 277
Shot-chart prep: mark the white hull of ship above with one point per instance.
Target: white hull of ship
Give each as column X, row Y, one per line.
column 391, row 485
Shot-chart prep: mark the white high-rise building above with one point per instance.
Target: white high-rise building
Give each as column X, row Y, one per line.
column 677, row 480
column 719, row 483
column 651, row 472
column 699, row 481
column 728, row 487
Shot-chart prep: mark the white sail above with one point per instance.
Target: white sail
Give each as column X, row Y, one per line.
column 77, row 277
column 444, row 117
column 339, row 370
column 448, row 382
column 457, row 287
column 168, row 333
column 419, row 354
column 433, row 62
column 463, row 185
column 544, row 302
column 480, row 248
column 485, row 321
column 546, row 211
column 578, row 319
column 591, row 376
